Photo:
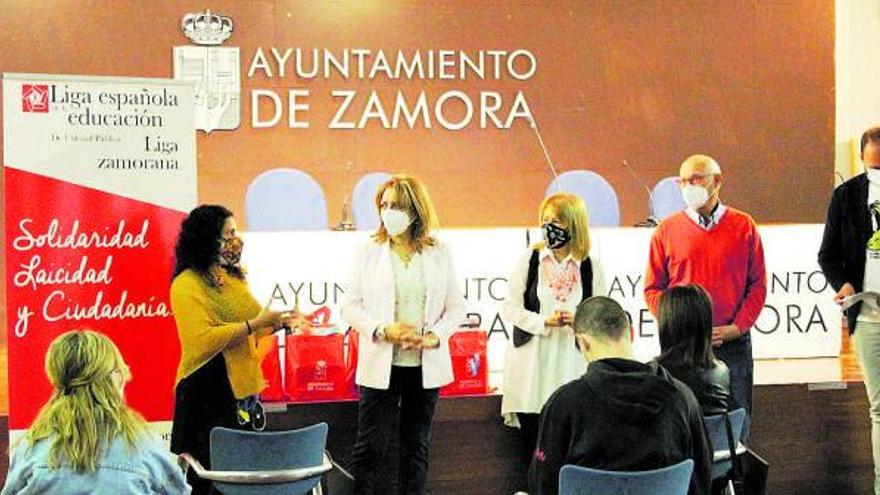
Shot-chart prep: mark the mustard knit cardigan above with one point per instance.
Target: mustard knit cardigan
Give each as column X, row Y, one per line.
column 206, row 319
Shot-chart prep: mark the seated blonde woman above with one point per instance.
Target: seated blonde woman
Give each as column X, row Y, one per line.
column 86, row 439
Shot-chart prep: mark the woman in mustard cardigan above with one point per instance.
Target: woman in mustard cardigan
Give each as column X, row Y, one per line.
column 219, row 323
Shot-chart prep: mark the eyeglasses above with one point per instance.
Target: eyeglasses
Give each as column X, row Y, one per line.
column 695, row 179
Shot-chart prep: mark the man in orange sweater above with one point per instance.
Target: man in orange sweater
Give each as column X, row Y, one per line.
column 718, row 247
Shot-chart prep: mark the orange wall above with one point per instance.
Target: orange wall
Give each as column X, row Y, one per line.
column 751, row 83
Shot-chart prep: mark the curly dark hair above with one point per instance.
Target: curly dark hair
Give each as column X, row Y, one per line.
column 197, row 244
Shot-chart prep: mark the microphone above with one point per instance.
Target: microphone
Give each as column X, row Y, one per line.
column 550, row 165
column 345, row 224
column 651, row 221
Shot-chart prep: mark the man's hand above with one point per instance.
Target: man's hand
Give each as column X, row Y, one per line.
column 845, row 291
column 724, row 333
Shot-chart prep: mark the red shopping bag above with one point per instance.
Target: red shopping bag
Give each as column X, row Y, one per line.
column 320, row 322
column 469, row 366
column 315, row 367
column 274, row 391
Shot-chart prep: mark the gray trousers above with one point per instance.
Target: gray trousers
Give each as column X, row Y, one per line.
column 866, row 343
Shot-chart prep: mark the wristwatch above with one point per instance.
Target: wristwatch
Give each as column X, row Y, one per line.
column 379, row 333
column 433, row 341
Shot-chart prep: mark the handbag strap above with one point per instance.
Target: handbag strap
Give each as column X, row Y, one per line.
column 735, row 462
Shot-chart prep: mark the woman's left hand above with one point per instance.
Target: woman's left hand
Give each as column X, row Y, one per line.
column 430, row 341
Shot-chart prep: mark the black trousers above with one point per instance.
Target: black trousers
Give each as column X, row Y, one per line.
column 377, row 410
column 202, row 401
column 528, row 437
column 528, row 424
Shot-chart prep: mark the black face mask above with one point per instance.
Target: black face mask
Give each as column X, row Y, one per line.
column 555, row 237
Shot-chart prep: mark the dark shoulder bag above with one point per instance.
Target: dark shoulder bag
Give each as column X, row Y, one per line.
column 748, row 471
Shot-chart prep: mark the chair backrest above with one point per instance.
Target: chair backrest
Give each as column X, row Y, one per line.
column 671, row 480
column 240, row 450
column 362, row 207
column 603, row 209
column 285, row 199
column 666, row 198
column 718, row 437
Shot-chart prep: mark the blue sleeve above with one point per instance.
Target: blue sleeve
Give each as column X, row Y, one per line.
column 20, row 471
column 167, row 476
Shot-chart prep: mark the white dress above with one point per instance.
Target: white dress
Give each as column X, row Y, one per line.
column 534, row 371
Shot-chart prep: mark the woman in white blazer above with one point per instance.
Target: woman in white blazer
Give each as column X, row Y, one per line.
column 404, row 301
column 548, row 282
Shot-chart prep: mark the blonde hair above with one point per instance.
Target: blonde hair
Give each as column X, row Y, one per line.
column 571, row 209
column 86, row 410
column 412, row 197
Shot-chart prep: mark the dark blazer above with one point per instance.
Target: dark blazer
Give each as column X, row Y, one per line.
column 847, row 230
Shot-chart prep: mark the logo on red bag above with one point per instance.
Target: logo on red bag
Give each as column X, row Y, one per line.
column 473, row 365
column 35, row 98
column 320, row 370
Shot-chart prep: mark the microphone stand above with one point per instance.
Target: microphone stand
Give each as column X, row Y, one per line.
column 345, row 224
column 651, row 221
column 550, row 165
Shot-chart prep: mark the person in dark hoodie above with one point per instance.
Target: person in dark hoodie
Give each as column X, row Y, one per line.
column 621, row 415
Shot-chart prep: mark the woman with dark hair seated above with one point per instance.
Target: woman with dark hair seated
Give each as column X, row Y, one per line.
column 685, row 321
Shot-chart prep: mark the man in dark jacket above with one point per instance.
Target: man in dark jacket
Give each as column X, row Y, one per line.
column 850, row 260
column 621, row 415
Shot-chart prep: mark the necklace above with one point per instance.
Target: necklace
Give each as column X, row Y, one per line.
column 403, row 253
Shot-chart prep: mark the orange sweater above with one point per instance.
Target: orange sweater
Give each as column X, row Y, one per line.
column 206, row 320
column 728, row 261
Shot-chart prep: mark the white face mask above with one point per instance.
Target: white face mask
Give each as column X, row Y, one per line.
column 873, row 175
column 695, row 196
column 395, row 221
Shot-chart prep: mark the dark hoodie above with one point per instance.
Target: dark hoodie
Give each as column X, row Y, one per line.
column 621, row 415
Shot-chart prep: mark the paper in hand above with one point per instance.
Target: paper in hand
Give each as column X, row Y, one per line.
column 870, row 298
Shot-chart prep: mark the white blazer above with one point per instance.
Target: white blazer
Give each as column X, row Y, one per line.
column 369, row 302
